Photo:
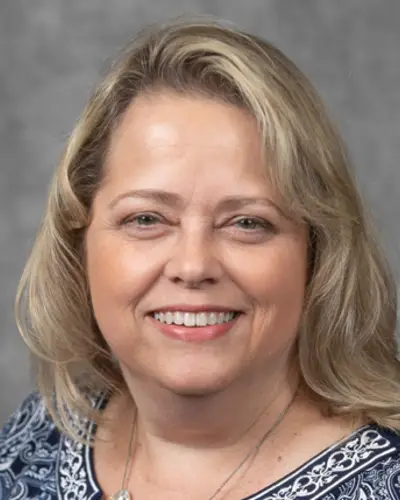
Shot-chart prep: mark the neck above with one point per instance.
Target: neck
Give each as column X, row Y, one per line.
column 214, row 420
column 212, row 434
column 186, row 443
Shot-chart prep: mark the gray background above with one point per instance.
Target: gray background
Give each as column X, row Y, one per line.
column 52, row 51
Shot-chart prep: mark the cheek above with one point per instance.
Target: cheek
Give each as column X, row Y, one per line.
column 275, row 273
column 282, row 281
column 119, row 275
column 277, row 291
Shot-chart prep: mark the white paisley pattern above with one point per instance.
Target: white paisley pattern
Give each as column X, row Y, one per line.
column 37, row 462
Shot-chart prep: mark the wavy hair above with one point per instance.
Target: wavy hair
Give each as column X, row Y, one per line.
column 347, row 343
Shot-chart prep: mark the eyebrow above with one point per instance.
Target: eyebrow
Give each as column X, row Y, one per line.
column 173, row 200
column 162, row 197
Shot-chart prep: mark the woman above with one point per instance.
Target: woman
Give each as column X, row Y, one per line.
column 208, row 310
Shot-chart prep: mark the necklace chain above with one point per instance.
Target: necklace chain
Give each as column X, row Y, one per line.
column 123, row 493
column 255, row 449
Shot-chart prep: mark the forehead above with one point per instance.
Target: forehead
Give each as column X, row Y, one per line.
column 200, row 150
column 169, row 120
column 189, row 144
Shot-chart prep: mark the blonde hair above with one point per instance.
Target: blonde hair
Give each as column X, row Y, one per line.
column 347, row 345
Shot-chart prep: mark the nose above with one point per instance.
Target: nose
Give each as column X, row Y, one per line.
column 193, row 262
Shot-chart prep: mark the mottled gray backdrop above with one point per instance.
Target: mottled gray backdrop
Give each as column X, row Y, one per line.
column 51, row 52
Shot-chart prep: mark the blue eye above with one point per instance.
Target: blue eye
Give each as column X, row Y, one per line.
column 144, row 220
column 144, row 225
column 141, row 221
column 252, row 224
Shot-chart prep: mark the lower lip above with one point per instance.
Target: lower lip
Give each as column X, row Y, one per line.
column 194, row 334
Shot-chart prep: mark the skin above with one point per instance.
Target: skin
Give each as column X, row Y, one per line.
column 195, row 401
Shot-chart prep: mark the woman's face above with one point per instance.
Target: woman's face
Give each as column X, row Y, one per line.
column 196, row 275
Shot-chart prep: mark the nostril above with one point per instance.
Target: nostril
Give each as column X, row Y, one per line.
column 193, row 284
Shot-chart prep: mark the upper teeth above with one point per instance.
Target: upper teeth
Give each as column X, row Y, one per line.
column 193, row 319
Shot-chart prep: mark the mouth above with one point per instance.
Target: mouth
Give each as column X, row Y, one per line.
column 194, row 319
column 194, row 326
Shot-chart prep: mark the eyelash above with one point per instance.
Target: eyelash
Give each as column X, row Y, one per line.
column 261, row 224
column 134, row 218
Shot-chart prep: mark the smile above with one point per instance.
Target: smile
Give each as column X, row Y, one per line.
column 191, row 319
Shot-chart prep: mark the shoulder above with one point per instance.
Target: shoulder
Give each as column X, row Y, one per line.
column 29, row 408
column 380, row 478
column 39, row 462
column 29, row 422
column 367, row 465
column 28, row 452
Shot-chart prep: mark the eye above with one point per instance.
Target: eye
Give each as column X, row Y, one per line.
column 251, row 230
column 144, row 221
column 253, row 224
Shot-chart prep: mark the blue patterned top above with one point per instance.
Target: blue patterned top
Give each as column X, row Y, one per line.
column 38, row 462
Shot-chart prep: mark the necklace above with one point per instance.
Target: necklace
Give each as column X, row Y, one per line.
column 123, row 493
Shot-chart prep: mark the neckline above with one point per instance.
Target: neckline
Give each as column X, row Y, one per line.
column 86, row 453
column 290, row 476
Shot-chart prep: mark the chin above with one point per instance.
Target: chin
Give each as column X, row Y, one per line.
column 194, row 392
column 195, row 385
